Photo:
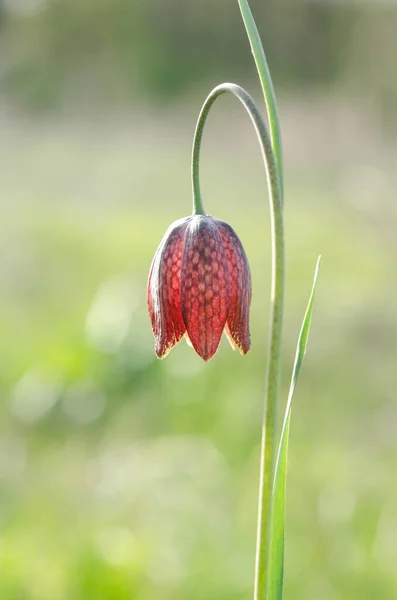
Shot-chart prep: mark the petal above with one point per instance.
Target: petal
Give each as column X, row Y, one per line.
column 204, row 285
column 163, row 294
column 240, row 289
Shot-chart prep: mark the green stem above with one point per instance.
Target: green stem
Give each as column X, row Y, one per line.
column 266, row 83
column 276, row 313
column 198, row 207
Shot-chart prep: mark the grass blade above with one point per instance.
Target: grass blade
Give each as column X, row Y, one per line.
column 266, row 83
column 277, row 526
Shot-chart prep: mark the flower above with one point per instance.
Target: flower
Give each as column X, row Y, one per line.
column 199, row 286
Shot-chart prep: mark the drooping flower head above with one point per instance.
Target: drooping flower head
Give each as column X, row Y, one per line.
column 199, row 286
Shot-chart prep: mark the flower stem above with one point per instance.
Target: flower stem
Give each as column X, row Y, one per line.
column 269, row 431
column 198, row 207
column 276, row 313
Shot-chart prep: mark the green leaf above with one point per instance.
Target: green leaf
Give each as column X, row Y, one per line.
column 277, row 525
column 266, row 84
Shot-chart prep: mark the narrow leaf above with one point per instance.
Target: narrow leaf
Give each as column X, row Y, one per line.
column 277, row 526
column 266, row 83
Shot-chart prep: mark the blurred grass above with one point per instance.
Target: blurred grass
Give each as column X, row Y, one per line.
column 126, row 477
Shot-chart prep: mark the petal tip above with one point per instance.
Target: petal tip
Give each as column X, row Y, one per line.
column 243, row 346
column 244, row 351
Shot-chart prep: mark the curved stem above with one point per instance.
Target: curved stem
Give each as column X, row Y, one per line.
column 266, row 83
column 198, row 207
column 276, row 312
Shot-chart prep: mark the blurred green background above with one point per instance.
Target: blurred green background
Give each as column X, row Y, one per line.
column 123, row 477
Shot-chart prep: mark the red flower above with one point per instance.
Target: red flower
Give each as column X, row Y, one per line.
column 199, row 286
